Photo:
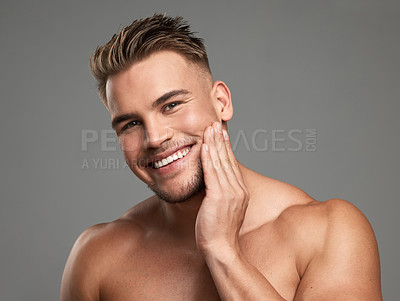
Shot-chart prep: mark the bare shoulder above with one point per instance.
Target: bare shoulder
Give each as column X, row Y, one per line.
column 296, row 210
column 290, row 208
column 97, row 249
column 333, row 243
column 337, row 249
column 271, row 199
column 332, row 219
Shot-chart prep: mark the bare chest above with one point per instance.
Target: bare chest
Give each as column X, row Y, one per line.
column 160, row 275
column 164, row 273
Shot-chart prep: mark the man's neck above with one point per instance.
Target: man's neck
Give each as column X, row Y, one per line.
column 180, row 218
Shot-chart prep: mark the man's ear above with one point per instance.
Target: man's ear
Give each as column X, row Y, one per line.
column 223, row 104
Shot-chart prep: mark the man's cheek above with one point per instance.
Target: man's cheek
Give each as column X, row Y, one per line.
column 197, row 120
column 129, row 142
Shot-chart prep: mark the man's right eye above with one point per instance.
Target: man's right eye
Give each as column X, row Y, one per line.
column 131, row 124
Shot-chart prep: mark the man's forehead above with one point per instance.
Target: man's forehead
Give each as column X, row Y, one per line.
column 167, row 64
column 150, row 78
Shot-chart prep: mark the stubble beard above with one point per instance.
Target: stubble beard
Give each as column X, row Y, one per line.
column 184, row 191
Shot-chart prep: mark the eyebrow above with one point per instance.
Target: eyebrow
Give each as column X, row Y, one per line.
column 167, row 96
column 121, row 118
column 163, row 98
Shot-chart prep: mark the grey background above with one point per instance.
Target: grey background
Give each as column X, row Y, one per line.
column 332, row 66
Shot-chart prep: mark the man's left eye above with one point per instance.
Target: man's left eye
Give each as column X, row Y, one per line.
column 170, row 106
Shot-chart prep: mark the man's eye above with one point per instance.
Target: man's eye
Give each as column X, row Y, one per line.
column 131, row 124
column 170, row 106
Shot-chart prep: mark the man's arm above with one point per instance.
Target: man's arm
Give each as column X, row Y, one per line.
column 81, row 274
column 346, row 267
column 219, row 221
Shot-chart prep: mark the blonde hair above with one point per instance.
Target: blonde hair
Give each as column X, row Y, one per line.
column 141, row 39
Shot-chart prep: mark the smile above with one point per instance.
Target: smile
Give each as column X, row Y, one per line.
column 171, row 158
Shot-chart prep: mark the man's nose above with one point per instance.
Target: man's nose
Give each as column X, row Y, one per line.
column 155, row 134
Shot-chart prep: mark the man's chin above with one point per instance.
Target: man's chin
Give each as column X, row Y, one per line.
column 183, row 191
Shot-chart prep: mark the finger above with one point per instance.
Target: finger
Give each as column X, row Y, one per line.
column 214, row 177
column 210, row 175
column 225, row 161
column 232, row 159
column 211, row 136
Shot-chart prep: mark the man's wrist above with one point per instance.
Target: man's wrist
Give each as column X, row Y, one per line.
column 221, row 253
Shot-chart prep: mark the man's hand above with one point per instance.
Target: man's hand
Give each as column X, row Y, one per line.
column 224, row 206
column 220, row 219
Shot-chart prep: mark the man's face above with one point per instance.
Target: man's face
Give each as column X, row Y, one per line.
column 160, row 108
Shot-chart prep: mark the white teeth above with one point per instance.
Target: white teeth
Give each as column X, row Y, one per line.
column 169, row 159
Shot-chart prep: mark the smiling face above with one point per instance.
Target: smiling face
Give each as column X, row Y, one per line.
column 160, row 108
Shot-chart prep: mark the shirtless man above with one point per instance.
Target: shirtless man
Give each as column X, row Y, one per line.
column 214, row 230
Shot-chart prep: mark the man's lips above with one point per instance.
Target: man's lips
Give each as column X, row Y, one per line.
column 152, row 161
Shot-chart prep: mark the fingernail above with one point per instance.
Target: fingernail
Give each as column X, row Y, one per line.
column 226, row 137
column 206, row 147
column 212, row 132
column 219, row 127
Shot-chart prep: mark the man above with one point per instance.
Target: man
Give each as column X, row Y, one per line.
column 214, row 229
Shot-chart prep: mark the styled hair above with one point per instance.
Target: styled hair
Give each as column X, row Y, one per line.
column 141, row 39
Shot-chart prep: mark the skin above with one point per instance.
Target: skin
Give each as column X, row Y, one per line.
column 244, row 237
